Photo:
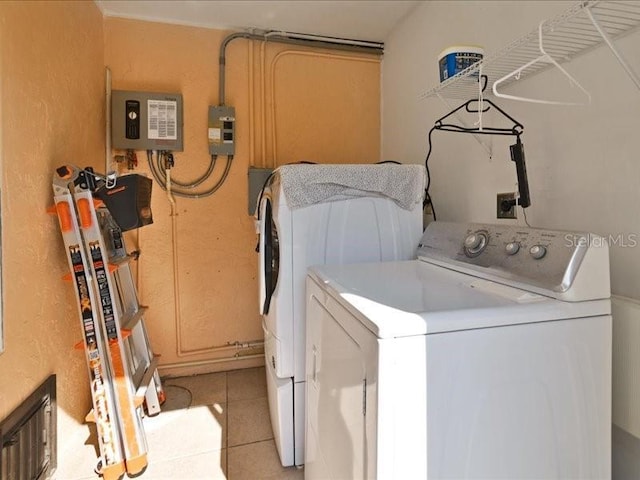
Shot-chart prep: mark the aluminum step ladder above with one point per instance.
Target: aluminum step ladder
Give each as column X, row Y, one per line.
column 122, row 368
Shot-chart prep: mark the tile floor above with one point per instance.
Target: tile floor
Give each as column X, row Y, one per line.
column 213, row 427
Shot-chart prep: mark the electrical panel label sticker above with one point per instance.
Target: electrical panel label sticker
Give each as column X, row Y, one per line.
column 162, row 119
column 214, row 135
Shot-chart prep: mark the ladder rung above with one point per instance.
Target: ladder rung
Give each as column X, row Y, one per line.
column 130, row 322
column 141, row 389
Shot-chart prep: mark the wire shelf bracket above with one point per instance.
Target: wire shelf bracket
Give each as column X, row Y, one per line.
column 634, row 77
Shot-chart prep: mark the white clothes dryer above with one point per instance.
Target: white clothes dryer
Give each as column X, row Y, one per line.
column 316, row 215
column 488, row 357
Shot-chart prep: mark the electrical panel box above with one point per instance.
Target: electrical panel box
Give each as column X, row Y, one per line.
column 222, row 130
column 257, row 179
column 146, row 121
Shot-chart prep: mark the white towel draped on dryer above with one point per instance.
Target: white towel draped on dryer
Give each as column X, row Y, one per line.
column 306, row 184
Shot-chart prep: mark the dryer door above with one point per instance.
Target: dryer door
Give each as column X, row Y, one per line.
column 269, row 255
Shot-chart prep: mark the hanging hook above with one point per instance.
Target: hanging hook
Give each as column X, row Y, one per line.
column 486, row 81
column 480, row 98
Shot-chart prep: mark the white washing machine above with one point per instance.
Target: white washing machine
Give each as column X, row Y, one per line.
column 313, row 215
column 488, row 357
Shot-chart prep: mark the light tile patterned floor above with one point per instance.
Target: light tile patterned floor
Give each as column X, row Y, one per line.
column 212, row 427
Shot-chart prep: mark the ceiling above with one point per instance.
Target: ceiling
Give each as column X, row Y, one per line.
column 359, row 19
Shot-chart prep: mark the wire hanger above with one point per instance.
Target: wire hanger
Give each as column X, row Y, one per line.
column 515, row 130
column 544, row 57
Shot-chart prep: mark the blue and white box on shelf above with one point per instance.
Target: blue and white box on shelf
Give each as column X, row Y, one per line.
column 455, row 59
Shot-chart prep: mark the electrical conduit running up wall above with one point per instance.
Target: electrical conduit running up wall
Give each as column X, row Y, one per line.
column 217, row 262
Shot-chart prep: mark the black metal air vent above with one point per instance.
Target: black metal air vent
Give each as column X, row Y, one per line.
column 28, row 436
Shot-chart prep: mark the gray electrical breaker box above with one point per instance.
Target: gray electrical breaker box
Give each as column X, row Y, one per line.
column 146, row 121
column 222, row 130
column 257, row 179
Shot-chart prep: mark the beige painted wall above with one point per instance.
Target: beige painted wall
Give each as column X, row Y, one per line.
column 52, row 113
column 318, row 106
column 52, row 58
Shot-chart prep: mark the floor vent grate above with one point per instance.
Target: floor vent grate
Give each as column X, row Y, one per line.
column 28, row 436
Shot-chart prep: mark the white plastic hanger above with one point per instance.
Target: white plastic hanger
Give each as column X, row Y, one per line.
column 544, row 57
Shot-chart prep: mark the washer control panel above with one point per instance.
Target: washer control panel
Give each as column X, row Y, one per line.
column 546, row 259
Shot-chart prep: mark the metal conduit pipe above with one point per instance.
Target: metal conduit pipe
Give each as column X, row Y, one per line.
column 301, row 40
column 107, row 135
column 272, row 110
column 202, row 363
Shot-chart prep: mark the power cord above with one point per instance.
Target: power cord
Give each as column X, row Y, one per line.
column 180, row 387
column 427, row 196
column 524, row 213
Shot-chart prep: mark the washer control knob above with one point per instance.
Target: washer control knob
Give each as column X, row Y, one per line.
column 475, row 243
column 538, row 251
column 512, row 248
column 474, row 240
